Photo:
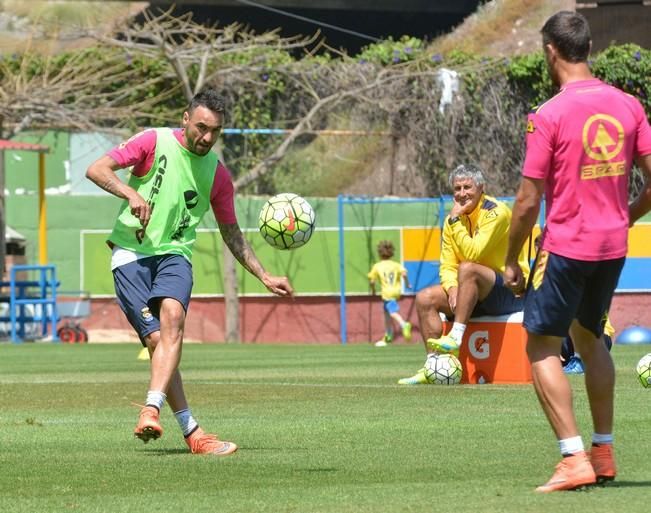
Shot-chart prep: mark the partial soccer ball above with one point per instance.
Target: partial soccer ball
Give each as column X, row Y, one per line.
column 443, row 369
column 644, row 370
column 286, row 221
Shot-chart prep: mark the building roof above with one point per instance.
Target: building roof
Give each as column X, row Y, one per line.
column 12, row 235
column 16, row 145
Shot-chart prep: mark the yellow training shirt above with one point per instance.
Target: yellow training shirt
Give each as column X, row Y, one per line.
column 389, row 273
column 481, row 237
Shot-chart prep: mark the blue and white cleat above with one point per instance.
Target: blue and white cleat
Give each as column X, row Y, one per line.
column 574, row 366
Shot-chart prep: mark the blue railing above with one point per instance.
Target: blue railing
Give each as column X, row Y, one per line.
column 40, row 293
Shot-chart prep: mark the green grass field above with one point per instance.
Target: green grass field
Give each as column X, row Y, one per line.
column 320, row 429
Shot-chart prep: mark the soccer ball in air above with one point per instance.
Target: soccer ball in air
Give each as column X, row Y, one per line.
column 644, row 370
column 286, row 221
column 443, row 369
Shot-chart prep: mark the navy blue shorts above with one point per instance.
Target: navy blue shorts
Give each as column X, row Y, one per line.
column 500, row 301
column 391, row 306
column 563, row 289
column 140, row 286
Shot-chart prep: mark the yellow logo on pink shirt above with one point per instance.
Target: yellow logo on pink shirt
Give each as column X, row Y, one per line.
column 539, row 271
column 603, row 140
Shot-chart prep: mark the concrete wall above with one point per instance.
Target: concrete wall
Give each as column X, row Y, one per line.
column 618, row 22
column 308, row 320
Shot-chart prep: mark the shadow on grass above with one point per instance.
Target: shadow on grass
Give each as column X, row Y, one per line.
column 628, row 484
column 282, row 449
column 165, row 452
column 327, row 469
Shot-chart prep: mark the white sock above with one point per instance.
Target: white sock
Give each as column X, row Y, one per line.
column 571, row 445
column 457, row 331
column 602, row 438
column 186, row 421
column 156, row 399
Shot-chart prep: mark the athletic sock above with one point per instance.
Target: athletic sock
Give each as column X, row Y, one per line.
column 186, row 421
column 571, row 446
column 155, row 399
column 457, row 331
column 602, row 438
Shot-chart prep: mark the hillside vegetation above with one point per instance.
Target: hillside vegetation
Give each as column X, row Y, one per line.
column 52, row 27
column 499, row 28
column 379, row 165
column 402, row 129
column 502, row 28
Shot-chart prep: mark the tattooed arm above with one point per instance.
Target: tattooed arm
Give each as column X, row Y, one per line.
column 102, row 173
column 242, row 251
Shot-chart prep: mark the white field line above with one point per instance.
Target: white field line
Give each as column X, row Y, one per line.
column 6, row 381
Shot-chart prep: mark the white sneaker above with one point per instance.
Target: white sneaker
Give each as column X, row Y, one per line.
column 384, row 341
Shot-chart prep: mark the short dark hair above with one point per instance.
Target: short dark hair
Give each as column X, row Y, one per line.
column 385, row 249
column 210, row 99
column 569, row 33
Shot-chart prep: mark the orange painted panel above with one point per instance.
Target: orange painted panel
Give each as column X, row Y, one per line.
column 421, row 243
column 638, row 241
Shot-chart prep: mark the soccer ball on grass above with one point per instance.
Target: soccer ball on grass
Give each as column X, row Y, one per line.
column 644, row 370
column 286, row 221
column 443, row 369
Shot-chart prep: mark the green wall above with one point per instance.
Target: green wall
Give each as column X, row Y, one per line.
column 312, row 269
column 21, row 167
column 68, row 216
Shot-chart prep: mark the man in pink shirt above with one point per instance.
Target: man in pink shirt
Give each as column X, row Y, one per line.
column 581, row 146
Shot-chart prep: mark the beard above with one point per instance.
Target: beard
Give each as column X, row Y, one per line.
column 201, row 149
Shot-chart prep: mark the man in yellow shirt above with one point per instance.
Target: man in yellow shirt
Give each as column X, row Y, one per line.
column 475, row 238
column 390, row 275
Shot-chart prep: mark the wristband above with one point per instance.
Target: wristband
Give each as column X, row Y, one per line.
column 453, row 220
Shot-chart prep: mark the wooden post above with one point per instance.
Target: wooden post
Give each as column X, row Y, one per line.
column 42, row 211
column 3, row 244
column 231, row 300
column 3, row 219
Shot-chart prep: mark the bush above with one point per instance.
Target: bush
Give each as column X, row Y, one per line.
column 627, row 67
column 392, row 52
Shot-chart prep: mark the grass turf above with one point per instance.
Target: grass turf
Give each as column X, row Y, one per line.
column 320, row 429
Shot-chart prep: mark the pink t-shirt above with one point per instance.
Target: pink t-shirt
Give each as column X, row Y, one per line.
column 582, row 142
column 139, row 152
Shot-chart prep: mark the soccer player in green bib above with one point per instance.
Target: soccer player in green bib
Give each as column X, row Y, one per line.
column 175, row 178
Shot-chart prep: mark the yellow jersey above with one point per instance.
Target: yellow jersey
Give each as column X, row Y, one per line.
column 481, row 237
column 389, row 273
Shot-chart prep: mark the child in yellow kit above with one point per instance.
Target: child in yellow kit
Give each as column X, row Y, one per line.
column 390, row 275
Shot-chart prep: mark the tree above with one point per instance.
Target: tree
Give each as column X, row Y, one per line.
column 198, row 56
column 81, row 90
column 73, row 91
